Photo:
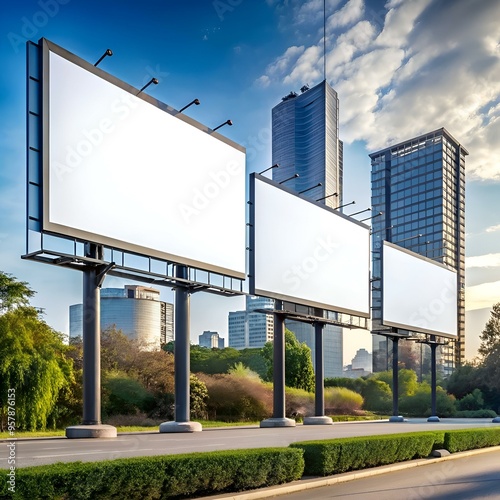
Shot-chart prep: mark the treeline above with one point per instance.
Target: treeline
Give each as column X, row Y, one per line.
column 45, row 375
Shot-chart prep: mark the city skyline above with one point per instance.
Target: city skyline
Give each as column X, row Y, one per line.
column 400, row 69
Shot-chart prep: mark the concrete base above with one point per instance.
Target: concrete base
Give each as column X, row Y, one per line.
column 433, row 419
column 278, row 422
column 180, row 427
column 318, row 420
column 90, row 431
column 440, row 453
column 396, row 418
column 496, row 420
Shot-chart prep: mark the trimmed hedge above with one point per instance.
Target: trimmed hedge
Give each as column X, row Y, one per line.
column 471, row 439
column 159, row 477
column 334, row 456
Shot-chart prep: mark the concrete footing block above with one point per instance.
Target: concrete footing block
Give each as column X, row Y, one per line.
column 180, row 427
column 278, row 422
column 318, row 420
column 396, row 418
column 90, row 431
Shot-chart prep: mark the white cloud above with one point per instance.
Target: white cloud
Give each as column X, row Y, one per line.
column 348, row 14
column 493, row 229
column 481, row 296
column 421, row 66
column 488, row 260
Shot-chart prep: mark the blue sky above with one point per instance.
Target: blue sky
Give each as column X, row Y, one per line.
column 401, row 68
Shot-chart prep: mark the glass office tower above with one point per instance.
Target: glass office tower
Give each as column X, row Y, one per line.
column 419, row 186
column 305, row 141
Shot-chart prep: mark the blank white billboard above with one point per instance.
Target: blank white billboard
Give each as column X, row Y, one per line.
column 418, row 294
column 307, row 253
column 125, row 171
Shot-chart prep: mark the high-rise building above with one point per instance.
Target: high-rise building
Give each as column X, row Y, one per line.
column 211, row 340
column 305, row 141
column 250, row 328
column 419, row 186
column 135, row 310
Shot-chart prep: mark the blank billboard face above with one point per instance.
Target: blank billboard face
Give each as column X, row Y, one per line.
column 306, row 253
column 124, row 172
column 417, row 294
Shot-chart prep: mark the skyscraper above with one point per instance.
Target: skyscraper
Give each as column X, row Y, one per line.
column 250, row 328
column 135, row 310
column 305, row 141
column 419, row 186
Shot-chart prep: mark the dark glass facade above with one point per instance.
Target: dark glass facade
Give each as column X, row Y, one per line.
column 419, row 186
column 305, row 141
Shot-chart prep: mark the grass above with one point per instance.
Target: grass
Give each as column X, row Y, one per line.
column 122, row 428
column 207, row 424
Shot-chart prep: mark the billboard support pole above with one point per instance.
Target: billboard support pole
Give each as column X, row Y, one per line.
column 182, row 371
column 319, row 376
column 433, row 345
column 278, row 419
column 91, row 424
column 395, row 382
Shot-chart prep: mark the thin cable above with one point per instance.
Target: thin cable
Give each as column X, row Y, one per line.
column 324, row 39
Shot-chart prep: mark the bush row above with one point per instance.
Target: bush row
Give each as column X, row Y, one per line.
column 324, row 458
column 197, row 474
column 471, row 439
column 173, row 476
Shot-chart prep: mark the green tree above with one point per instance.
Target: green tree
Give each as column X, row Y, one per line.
column 198, row 397
column 299, row 372
column 13, row 293
column 34, row 364
column 490, row 336
column 407, row 381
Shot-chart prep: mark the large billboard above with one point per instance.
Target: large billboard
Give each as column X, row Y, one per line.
column 125, row 170
column 418, row 294
column 307, row 253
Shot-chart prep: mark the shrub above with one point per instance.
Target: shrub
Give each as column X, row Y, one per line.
column 299, row 403
column 233, row 398
column 475, row 414
column 179, row 476
column 470, row 439
column 323, row 458
column 471, row 401
column 419, row 404
column 342, row 401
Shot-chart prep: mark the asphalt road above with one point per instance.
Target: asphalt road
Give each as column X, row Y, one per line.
column 467, row 478
column 50, row 450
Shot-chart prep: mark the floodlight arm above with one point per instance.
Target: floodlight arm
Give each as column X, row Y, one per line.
column 294, row 176
column 108, row 52
column 327, row 196
column 410, row 238
column 276, row 165
column 346, row 205
column 383, row 229
column 194, row 101
column 227, row 122
column 153, row 80
column 372, row 217
column 319, row 184
column 360, row 212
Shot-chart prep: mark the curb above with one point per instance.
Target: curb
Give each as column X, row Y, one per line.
column 310, row 483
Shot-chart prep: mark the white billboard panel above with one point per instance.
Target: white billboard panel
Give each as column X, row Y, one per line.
column 418, row 294
column 306, row 253
column 124, row 170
